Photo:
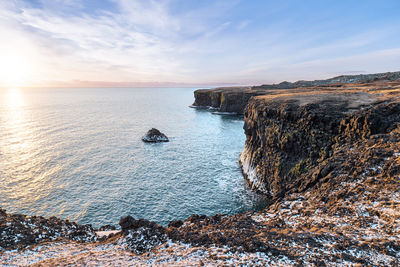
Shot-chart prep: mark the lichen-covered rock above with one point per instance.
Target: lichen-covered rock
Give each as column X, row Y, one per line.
column 141, row 235
column 107, row 227
column 18, row 231
column 154, row 136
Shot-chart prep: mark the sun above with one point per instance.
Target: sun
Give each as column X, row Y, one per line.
column 15, row 68
column 14, row 98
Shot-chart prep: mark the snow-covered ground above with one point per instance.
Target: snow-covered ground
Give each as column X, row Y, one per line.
column 77, row 254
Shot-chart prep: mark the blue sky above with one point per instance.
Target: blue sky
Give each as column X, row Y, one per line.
column 128, row 42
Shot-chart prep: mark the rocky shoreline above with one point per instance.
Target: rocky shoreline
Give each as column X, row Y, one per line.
column 327, row 154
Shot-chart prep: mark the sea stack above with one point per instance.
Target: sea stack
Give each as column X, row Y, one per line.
column 154, row 136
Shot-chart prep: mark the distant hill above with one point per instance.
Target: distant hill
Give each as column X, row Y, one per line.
column 361, row 78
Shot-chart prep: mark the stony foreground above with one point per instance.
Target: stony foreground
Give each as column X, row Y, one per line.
column 327, row 153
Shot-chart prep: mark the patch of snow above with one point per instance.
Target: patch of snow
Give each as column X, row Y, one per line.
column 106, row 233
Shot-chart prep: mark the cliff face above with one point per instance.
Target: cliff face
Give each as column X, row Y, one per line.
column 285, row 138
column 229, row 99
column 290, row 133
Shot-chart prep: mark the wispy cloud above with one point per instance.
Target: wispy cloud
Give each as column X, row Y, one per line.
column 243, row 24
column 128, row 41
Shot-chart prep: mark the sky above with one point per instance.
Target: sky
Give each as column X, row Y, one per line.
column 111, row 43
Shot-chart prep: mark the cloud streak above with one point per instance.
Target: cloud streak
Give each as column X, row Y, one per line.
column 128, row 42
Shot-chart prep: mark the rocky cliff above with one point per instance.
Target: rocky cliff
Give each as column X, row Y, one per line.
column 225, row 99
column 294, row 131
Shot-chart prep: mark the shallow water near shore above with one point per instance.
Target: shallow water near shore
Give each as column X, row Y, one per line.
column 77, row 154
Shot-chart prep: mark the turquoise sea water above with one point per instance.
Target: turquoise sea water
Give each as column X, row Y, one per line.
column 78, row 154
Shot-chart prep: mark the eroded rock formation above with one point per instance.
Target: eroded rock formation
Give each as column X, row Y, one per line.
column 154, row 136
column 19, row 231
column 290, row 133
column 227, row 99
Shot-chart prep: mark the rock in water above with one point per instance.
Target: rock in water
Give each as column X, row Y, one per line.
column 154, row 136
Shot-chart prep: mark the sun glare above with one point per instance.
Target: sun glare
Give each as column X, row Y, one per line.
column 14, row 97
column 14, row 69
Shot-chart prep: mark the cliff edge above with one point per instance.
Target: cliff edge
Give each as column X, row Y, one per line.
column 294, row 131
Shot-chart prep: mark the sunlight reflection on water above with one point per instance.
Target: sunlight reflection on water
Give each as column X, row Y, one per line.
column 24, row 178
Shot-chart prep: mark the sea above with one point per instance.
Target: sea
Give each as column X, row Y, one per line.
column 77, row 154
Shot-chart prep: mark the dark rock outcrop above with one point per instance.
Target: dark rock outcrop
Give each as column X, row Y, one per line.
column 142, row 235
column 154, row 136
column 107, row 227
column 226, row 99
column 18, row 231
column 129, row 223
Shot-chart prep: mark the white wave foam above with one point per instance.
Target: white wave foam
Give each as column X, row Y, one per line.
column 224, row 113
column 250, row 171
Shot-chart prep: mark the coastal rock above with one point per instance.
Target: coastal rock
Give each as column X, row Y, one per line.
column 225, row 99
column 141, row 235
column 155, row 136
column 130, row 223
column 107, row 228
column 207, row 98
column 18, row 231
